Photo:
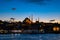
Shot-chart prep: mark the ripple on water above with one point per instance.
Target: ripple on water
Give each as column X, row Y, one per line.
column 29, row 36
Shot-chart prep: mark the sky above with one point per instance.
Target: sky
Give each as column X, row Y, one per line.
column 44, row 9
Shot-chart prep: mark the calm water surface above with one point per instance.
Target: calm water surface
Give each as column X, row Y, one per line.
column 29, row 36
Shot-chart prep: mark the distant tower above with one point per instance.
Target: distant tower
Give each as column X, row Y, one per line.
column 32, row 18
column 29, row 18
column 38, row 19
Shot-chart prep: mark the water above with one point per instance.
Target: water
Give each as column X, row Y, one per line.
column 29, row 36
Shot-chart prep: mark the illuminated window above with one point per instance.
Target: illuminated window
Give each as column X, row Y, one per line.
column 56, row 29
column 41, row 30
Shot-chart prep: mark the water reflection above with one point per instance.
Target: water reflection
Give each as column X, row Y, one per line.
column 29, row 36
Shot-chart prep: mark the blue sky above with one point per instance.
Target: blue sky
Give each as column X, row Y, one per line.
column 45, row 11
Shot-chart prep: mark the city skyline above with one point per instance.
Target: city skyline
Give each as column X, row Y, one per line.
column 48, row 11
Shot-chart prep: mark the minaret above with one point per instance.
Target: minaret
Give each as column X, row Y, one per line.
column 35, row 19
column 29, row 17
column 38, row 19
column 32, row 18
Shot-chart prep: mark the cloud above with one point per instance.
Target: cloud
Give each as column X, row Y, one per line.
column 38, row 2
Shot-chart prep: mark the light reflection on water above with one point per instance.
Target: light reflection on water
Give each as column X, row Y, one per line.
column 29, row 36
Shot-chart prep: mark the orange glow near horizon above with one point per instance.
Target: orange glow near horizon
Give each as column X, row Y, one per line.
column 47, row 21
column 56, row 29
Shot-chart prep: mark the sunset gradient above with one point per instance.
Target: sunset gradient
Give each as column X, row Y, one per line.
column 47, row 11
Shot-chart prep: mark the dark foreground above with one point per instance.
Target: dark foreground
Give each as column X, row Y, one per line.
column 28, row 26
column 29, row 36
